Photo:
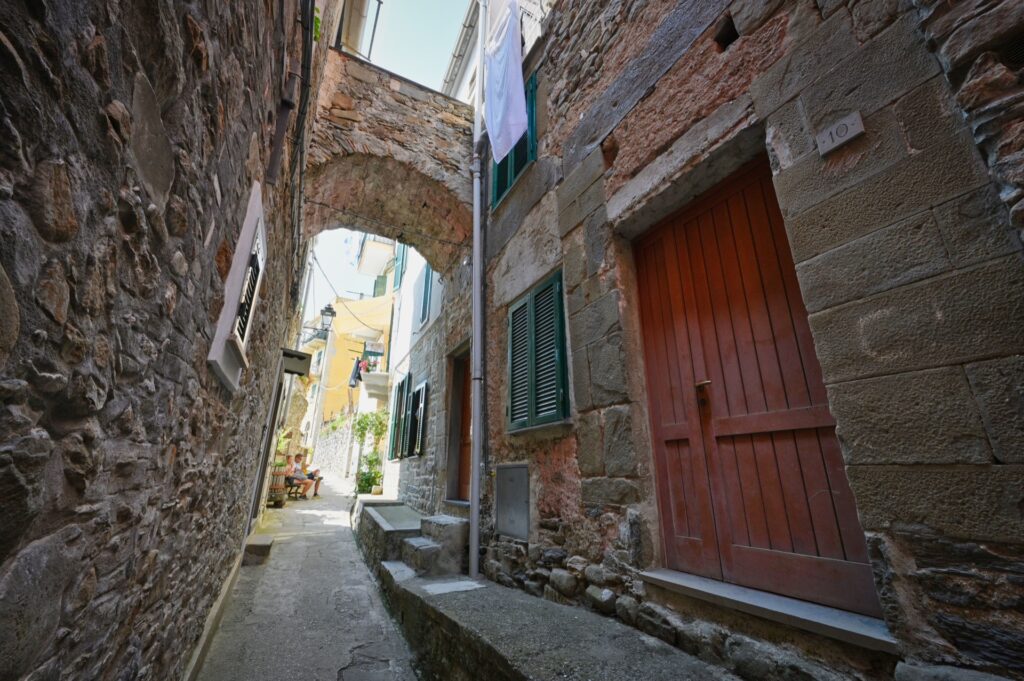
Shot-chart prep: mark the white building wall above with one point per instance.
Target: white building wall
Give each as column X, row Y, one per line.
column 406, row 331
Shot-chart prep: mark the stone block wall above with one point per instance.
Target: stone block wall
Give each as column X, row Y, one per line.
column 132, row 136
column 908, row 256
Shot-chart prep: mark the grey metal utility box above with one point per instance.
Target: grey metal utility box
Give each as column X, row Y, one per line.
column 512, row 500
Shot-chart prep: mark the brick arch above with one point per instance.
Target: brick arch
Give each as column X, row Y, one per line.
column 390, row 157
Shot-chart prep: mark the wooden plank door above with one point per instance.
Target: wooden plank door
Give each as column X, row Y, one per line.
column 745, row 447
column 465, row 430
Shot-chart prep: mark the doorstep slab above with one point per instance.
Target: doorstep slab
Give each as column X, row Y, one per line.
column 860, row 630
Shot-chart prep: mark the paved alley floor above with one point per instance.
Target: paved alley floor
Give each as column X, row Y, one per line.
column 311, row 611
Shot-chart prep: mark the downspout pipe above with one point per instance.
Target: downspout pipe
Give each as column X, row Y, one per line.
column 477, row 348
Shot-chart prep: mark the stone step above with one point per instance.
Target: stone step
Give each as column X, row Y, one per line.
column 445, row 529
column 421, row 554
column 257, row 549
column 452, row 534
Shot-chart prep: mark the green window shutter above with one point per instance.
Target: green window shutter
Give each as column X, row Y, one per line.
column 379, row 284
column 506, row 172
column 400, row 254
column 406, row 400
column 538, row 374
column 519, row 361
column 418, row 411
column 397, row 421
column 428, row 282
column 395, row 410
column 548, row 353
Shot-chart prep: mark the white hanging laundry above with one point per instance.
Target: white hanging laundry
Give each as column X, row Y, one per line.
column 504, row 94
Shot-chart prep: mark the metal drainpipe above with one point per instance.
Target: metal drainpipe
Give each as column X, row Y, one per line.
column 477, row 348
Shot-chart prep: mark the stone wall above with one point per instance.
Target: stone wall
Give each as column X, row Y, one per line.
column 132, row 135
column 908, row 261
column 376, row 131
column 336, row 454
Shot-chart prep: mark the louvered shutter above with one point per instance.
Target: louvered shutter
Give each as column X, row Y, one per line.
column 420, row 402
column 537, row 367
column 546, row 366
column 400, row 258
column 406, row 416
column 519, row 364
column 398, row 409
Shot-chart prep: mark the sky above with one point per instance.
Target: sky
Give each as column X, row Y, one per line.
column 414, row 39
column 336, row 252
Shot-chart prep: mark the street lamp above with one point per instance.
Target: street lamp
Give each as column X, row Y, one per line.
column 327, row 316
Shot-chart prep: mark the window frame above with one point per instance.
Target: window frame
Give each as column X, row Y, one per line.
column 528, row 300
column 505, row 166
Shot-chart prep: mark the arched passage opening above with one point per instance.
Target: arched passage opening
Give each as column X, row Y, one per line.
column 389, row 198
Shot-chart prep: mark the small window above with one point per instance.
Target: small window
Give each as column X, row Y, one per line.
column 726, row 33
column 428, row 282
column 537, row 373
column 250, row 292
column 408, row 420
column 512, row 166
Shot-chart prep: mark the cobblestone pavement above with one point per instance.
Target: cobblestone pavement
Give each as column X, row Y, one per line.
column 311, row 611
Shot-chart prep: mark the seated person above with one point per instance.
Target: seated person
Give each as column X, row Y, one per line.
column 301, row 465
column 294, row 477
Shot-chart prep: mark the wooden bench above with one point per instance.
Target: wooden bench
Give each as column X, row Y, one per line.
column 293, row 491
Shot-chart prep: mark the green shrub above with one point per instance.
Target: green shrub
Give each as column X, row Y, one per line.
column 372, row 423
column 369, row 473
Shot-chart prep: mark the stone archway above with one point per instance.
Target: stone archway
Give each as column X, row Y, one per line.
column 390, row 157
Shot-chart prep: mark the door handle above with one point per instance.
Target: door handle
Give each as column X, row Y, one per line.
column 702, row 392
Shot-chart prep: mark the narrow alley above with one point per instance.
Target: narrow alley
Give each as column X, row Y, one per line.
column 311, row 610
column 630, row 340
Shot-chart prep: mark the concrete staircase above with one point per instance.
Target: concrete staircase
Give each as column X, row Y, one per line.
column 441, row 548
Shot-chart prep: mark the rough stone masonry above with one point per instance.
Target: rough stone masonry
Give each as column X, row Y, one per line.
column 132, row 134
column 907, row 250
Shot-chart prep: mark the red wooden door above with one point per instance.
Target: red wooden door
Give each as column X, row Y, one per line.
column 751, row 484
column 465, row 431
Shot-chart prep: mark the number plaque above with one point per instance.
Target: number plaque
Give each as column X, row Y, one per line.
column 846, row 129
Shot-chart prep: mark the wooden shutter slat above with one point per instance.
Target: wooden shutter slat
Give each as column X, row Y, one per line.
column 519, row 364
column 546, row 352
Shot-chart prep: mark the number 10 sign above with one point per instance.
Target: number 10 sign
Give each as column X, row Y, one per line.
column 846, row 129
